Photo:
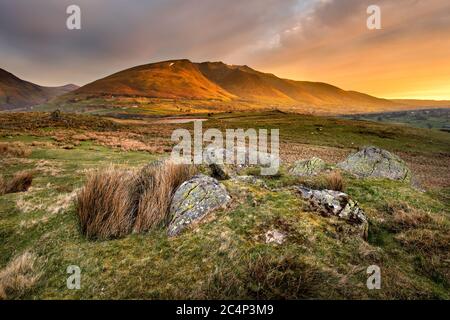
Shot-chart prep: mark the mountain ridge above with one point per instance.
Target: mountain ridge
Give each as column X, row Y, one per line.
column 222, row 86
column 183, row 79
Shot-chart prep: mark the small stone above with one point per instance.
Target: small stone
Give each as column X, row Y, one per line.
column 275, row 236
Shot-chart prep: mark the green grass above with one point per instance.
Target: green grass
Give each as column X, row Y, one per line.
column 227, row 257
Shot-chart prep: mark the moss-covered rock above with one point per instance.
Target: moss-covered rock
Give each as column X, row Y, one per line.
column 193, row 200
column 376, row 163
column 308, row 167
column 334, row 203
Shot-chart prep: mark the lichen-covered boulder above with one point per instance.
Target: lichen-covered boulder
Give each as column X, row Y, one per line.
column 193, row 200
column 334, row 203
column 376, row 163
column 252, row 180
column 309, row 167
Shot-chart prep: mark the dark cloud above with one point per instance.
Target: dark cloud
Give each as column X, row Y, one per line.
column 117, row 34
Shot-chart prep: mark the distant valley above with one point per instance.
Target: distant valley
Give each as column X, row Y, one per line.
column 16, row 93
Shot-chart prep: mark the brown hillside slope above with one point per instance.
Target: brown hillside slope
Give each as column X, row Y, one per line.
column 168, row 79
column 254, row 85
column 235, row 86
column 17, row 93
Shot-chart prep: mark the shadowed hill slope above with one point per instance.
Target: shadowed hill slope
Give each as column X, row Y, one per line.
column 254, row 85
column 17, row 93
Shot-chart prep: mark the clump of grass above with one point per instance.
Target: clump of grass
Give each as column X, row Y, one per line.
column 331, row 181
column 402, row 216
column 104, row 204
column 2, row 185
column 20, row 182
column 18, row 276
column 14, row 149
column 334, row 181
column 115, row 202
column 158, row 185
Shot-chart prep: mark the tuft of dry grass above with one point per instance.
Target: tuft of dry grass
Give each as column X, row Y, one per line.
column 2, row 185
column 403, row 216
column 14, row 149
column 334, row 181
column 18, row 276
column 20, row 182
column 158, row 185
column 104, row 204
column 116, row 202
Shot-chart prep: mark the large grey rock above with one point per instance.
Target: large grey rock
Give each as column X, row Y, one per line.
column 376, row 163
column 195, row 199
column 339, row 204
column 309, row 167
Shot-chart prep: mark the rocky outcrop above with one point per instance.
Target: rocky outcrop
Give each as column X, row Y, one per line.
column 195, row 199
column 309, row 167
column 376, row 163
column 334, row 203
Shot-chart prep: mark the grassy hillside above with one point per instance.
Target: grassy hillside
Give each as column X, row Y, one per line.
column 429, row 118
column 226, row 256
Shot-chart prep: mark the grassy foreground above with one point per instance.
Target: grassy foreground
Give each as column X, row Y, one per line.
column 226, row 256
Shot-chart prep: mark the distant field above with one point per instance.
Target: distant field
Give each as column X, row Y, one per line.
column 426, row 118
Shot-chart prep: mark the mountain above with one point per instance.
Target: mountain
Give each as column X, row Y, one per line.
column 168, row 79
column 250, row 84
column 17, row 93
column 239, row 86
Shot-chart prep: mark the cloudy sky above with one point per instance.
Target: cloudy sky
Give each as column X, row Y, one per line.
column 318, row 40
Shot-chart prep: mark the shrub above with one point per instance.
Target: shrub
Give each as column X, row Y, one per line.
column 14, row 149
column 116, row 202
column 18, row 276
